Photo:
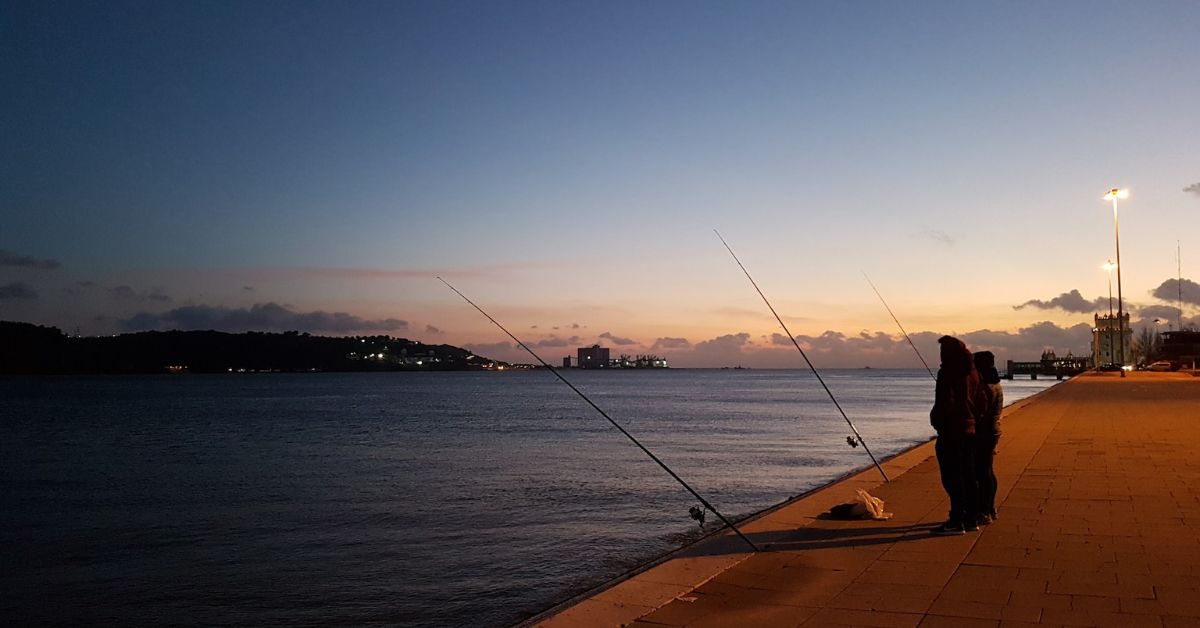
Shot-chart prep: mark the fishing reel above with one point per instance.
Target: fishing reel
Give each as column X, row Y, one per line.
column 851, row 441
column 697, row 513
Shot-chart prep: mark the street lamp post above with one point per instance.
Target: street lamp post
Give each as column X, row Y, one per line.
column 1113, row 195
column 1108, row 267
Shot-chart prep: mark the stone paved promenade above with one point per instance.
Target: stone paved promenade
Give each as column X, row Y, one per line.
column 1099, row 525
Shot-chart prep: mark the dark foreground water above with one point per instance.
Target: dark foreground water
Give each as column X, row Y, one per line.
column 395, row 499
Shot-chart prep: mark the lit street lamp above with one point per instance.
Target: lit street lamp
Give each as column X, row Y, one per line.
column 1113, row 195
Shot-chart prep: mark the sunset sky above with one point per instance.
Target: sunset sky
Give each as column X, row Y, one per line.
column 313, row 166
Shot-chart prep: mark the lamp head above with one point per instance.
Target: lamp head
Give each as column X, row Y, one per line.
column 1117, row 193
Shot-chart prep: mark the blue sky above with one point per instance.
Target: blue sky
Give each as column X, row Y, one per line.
column 566, row 162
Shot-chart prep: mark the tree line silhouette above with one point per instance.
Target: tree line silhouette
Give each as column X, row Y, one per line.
column 34, row 349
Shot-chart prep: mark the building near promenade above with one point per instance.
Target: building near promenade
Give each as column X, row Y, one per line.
column 593, row 357
column 1107, row 341
column 1182, row 347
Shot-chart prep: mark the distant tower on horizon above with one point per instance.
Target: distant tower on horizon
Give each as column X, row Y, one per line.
column 1105, row 336
column 593, row 357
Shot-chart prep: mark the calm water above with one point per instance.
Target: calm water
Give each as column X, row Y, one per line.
column 414, row 499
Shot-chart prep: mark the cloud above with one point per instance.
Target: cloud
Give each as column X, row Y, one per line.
column 1032, row 340
column 555, row 341
column 488, row 349
column 574, row 325
column 617, row 340
column 1193, row 189
column 247, row 288
column 1169, row 291
column 729, row 343
column 839, row 350
column 259, row 317
column 1165, row 312
column 18, row 290
column 122, row 292
column 25, row 261
column 430, row 329
column 671, row 343
column 126, row 293
column 1071, row 301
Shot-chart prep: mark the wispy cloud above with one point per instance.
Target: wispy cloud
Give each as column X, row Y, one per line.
column 937, row 235
column 1192, row 189
column 430, row 329
column 1071, row 301
column 18, row 290
column 25, row 261
column 617, row 340
column 259, row 317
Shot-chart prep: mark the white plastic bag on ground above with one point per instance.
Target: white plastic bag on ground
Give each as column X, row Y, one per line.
column 872, row 506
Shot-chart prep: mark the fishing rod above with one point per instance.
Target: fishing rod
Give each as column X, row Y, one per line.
column 806, row 360
column 695, row 513
column 889, row 311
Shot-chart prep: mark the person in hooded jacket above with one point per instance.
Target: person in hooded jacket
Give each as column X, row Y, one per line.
column 959, row 400
column 987, row 435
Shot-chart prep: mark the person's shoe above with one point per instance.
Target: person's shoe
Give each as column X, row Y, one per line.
column 971, row 526
column 985, row 520
column 994, row 516
column 950, row 528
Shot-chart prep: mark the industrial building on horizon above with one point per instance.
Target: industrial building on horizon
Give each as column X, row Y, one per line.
column 597, row 357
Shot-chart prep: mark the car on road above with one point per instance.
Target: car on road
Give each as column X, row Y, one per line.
column 1161, row 365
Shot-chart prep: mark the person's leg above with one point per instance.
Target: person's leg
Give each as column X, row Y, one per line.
column 968, row 484
column 948, row 465
column 990, row 504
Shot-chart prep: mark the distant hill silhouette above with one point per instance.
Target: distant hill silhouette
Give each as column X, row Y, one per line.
column 28, row 348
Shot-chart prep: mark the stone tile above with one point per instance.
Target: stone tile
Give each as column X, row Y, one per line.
column 939, row 621
column 878, row 619
column 1039, row 600
column 1072, row 586
column 761, row 615
column 1179, row 600
column 1100, row 619
column 983, row 610
column 597, row 613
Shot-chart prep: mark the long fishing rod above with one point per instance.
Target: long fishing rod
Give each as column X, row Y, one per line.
column 889, row 311
column 699, row 516
column 805, row 356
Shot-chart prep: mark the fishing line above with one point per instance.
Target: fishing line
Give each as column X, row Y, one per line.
column 693, row 512
column 806, row 360
column 889, row 311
